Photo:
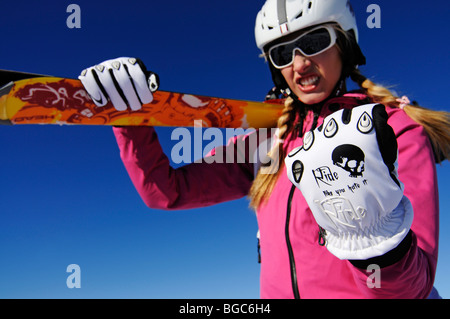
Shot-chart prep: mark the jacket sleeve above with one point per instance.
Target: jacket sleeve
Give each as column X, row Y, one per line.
column 411, row 275
column 193, row 185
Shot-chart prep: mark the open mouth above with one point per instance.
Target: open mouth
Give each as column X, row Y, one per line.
column 308, row 82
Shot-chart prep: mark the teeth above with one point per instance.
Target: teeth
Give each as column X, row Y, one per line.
column 309, row 80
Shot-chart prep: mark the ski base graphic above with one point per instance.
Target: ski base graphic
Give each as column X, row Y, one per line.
column 53, row 100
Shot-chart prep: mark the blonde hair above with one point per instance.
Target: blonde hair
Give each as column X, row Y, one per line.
column 265, row 181
column 435, row 123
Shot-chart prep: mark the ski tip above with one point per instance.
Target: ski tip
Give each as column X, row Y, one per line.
column 4, row 119
column 7, row 76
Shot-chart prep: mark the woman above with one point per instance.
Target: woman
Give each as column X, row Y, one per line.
column 312, row 48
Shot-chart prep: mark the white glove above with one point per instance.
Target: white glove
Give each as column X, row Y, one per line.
column 124, row 81
column 347, row 172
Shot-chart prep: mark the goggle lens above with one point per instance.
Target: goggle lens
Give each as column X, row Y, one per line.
column 309, row 44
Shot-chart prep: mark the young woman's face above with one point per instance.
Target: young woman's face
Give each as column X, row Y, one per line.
column 313, row 79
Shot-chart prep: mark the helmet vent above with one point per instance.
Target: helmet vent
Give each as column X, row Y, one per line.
column 268, row 27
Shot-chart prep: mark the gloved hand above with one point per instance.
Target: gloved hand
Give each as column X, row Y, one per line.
column 347, row 172
column 124, row 81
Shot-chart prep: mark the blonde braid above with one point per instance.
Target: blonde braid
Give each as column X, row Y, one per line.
column 435, row 123
column 265, row 181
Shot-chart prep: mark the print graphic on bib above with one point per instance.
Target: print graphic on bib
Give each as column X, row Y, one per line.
column 350, row 158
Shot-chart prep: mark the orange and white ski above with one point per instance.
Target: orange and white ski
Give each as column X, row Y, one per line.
column 35, row 99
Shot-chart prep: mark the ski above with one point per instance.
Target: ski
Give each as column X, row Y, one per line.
column 27, row 98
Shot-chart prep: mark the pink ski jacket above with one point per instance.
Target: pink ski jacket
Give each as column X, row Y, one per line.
column 291, row 258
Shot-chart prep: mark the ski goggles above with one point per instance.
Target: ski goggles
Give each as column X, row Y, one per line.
column 309, row 44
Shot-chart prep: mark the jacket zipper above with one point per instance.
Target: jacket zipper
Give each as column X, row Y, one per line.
column 322, row 236
column 294, row 279
column 289, row 246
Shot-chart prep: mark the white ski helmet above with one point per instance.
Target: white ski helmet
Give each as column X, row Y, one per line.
column 279, row 18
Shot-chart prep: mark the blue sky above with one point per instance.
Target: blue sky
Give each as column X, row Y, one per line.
column 65, row 196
